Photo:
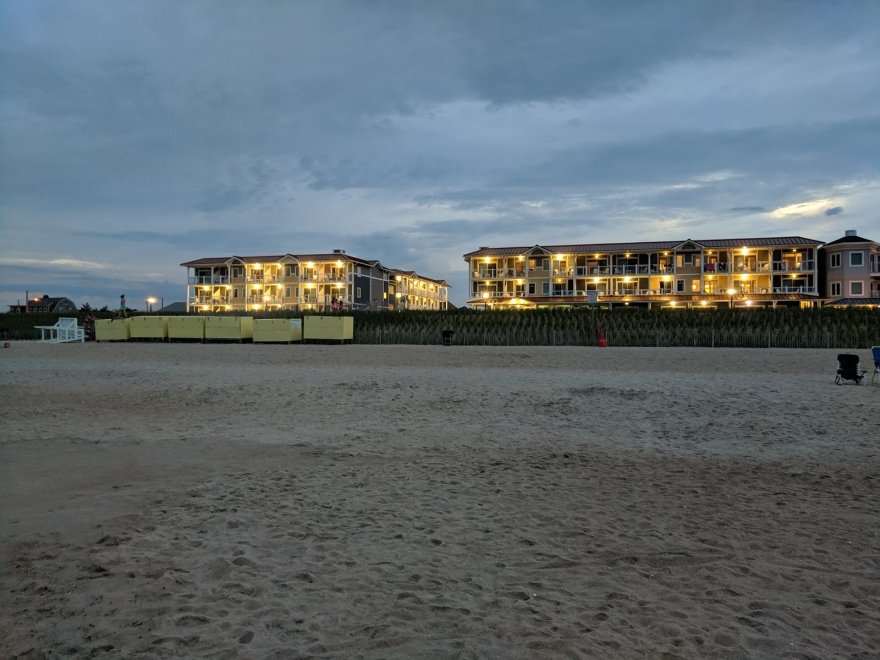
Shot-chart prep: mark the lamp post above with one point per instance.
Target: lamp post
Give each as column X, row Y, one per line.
column 150, row 300
column 731, row 293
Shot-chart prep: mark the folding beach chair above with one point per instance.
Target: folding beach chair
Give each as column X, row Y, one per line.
column 848, row 369
column 875, row 351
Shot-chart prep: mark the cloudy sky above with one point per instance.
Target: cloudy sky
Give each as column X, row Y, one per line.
column 138, row 135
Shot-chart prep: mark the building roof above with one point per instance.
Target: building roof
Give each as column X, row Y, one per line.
column 323, row 256
column 334, row 256
column 643, row 246
column 850, row 239
column 45, row 301
column 848, row 302
column 412, row 273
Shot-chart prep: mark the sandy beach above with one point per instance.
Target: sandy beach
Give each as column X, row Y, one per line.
column 196, row 500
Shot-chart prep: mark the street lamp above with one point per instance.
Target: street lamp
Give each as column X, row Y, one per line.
column 150, row 300
column 731, row 293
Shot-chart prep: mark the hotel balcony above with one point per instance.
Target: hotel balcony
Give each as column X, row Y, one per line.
column 496, row 273
column 208, row 300
column 788, row 266
column 264, row 300
column 330, row 277
column 208, row 279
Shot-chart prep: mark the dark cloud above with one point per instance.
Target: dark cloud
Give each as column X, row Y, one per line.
column 413, row 132
column 834, row 210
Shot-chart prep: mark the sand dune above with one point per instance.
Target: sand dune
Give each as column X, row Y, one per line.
column 436, row 502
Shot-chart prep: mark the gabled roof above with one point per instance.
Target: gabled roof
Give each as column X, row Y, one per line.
column 644, row 246
column 333, row 256
column 207, row 261
column 850, row 239
column 412, row 273
column 689, row 245
column 847, row 302
column 772, row 241
column 318, row 257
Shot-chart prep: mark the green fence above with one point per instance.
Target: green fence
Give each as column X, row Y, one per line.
column 753, row 328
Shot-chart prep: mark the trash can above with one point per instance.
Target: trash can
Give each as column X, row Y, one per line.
column 447, row 337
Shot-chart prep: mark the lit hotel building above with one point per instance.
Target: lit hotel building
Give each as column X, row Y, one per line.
column 706, row 273
column 317, row 282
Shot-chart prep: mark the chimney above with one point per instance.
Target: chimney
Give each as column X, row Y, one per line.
column 338, row 251
column 851, row 232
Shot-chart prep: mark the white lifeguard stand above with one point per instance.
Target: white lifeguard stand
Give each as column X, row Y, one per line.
column 64, row 330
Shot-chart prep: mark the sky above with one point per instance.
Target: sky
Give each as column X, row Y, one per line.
column 135, row 136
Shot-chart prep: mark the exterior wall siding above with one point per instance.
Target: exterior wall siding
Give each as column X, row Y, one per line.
column 325, row 282
column 723, row 272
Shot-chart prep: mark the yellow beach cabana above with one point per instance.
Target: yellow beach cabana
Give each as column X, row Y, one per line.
column 277, row 330
column 149, row 327
column 112, row 329
column 229, row 328
column 186, row 327
column 328, row 328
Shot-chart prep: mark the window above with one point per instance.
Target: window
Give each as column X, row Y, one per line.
column 545, row 288
column 237, row 271
column 834, row 260
column 531, row 288
column 679, row 286
column 291, row 271
column 287, row 292
column 235, row 293
column 359, row 273
column 856, row 258
column 835, row 288
column 856, row 288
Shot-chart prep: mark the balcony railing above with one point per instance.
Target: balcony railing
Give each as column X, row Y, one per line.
column 634, row 269
column 264, row 300
column 795, row 289
column 208, row 300
column 209, row 279
column 492, row 273
column 756, row 267
column 790, row 266
column 638, row 269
